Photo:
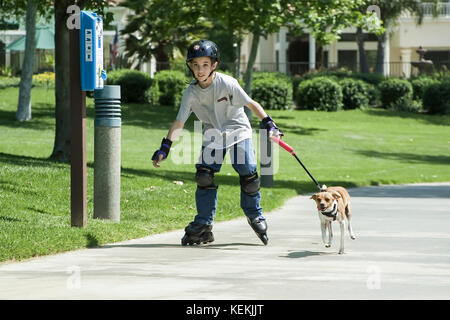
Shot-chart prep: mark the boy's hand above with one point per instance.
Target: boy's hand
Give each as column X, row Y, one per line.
column 274, row 131
column 162, row 153
column 158, row 160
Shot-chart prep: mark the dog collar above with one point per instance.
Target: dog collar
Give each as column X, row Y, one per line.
column 333, row 212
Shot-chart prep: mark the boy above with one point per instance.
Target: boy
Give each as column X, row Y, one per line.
column 218, row 100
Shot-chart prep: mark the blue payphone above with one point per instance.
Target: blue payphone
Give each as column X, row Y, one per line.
column 91, row 51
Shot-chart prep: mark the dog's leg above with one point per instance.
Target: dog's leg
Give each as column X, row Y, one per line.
column 348, row 214
column 350, row 229
column 323, row 227
column 330, row 235
column 342, row 227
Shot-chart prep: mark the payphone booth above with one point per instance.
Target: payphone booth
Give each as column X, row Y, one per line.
column 91, row 51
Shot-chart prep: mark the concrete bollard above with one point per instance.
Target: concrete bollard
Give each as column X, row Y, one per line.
column 266, row 158
column 107, row 153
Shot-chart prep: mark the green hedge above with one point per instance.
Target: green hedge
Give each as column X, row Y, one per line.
column 272, row 90
column 168, row 88
column 420, row 84
column 6, row 82
column 436, row 98
column 395, row 93
column 355, row 93
column 319, row 93
column 133, row 84
column 372, row 81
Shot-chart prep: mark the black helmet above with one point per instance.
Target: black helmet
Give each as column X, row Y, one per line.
column 202, row 48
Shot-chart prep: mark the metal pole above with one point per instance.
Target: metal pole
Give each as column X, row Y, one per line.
column 107, row 153
column 78, row 185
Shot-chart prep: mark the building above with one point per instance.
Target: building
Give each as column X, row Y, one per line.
column 296, row 55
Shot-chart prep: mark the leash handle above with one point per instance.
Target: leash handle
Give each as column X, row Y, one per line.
column 284, row 145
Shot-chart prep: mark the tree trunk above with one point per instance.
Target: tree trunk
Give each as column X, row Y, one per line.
column 251, row 63
column 249, row 70
column 26, row 77
column 61, row 148
column 379, row 66
column 321, row 55
column 363, row 67
column 162, row 58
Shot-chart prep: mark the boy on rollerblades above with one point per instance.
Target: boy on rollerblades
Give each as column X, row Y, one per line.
column 218, row 102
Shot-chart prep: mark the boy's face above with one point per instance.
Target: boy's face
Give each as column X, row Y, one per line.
column 202, row 67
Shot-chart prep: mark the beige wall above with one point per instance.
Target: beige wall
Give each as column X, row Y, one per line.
column 404, row 39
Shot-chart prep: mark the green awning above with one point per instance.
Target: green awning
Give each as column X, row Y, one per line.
column 45, row 39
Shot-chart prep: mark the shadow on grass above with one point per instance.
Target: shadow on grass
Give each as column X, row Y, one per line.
column 233, row 180
column 91, row 240
column 302, row 186
column 42, row 118
column 406, row 157
column 9, row 219
column 33, row 161
column 299, row 130
column 433, row 119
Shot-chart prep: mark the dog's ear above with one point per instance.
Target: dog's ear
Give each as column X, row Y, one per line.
column 336, row 195
column 314, row 197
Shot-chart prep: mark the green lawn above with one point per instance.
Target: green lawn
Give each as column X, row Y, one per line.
column 351, row 148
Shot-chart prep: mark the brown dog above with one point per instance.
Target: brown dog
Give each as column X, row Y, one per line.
column 333, row 204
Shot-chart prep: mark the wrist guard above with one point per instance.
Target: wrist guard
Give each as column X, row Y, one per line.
column 270, row 125
column 164, row 149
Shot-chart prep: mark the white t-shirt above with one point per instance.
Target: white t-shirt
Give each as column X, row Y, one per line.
column 220, row 107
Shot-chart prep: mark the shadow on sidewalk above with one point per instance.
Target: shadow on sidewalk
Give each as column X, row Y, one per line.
column 305, row 254
column 172, row 245
column 403, row 191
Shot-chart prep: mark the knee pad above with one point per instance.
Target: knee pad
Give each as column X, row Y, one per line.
column 205, row 178
column 250, row 184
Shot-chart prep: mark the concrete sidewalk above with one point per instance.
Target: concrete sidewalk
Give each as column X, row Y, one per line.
column 402, row 251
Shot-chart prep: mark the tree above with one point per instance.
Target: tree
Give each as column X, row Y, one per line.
column 158, row 27
column 258, row 17
column 390, row 12
column 26, row 76
column 31, row 8
column 325, row 20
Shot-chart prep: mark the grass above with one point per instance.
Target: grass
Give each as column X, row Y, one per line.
column 351, row 148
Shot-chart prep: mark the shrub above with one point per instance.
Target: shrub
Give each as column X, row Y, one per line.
column 273, row 75
column 373, row 93
column 273, row 93
column 355, row 93
column 420, row 84
column 169, row 86
column 395, row 92
column 436, row 98
column 335, row 73
column 46, row 79
column 6, row 82
column 133, row 84
column 372, row 78
column 319, row 93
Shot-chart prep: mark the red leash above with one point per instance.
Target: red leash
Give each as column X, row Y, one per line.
column 289, row 149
